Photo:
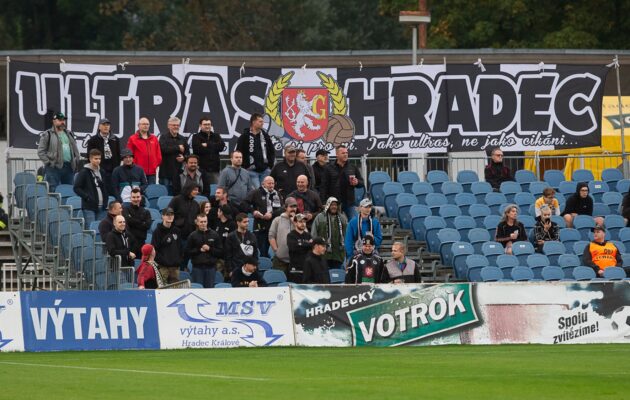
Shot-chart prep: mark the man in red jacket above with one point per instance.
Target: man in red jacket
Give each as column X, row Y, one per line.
column 146, row 150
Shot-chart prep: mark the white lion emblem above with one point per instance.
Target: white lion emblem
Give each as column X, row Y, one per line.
column 304, row 114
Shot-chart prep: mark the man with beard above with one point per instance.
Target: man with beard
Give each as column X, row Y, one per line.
column 257, row 149
column 308, row 200
column 138, row 219
column 146, row 149
column 240, row 244
column 126, row 177
column 174, row 148
column 221, row 199
column 285, row 172
column 208, row 146
column 191, row 173
column 331, row 225
column 495, row 172
column 109, row 146
column 58, row 151
column 280, row 227
column 266, row 204
column 299, row 242
column 365, row 267
column 236, row 180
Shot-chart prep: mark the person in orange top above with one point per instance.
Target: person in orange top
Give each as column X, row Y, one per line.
column 146, row 150
column 601, row 254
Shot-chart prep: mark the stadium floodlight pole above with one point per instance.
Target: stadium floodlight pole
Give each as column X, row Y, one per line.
column 624, row 162
column 417, row 20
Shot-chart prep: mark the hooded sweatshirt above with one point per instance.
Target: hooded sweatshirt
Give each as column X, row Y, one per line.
column 578, row 205
column 90, row 187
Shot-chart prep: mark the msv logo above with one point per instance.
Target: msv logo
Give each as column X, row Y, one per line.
column 89, row 321
column 226, row 318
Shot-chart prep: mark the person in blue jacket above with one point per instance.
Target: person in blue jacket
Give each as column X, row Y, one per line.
column 367, row 224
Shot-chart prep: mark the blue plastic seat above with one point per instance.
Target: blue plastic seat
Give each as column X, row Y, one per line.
column 506, row 262
column 536, row 188
column 579, row 246
column 376, row 180
column 597, row 189
column 417, row 214
column 522, row 274
column 620, row 246
column 582, row 175
column 568, row 262
column 524, row 177
column 163, row 202
column 611, row 176
column 528, row 221
column 337, row 275
column 612, row 200
column 446, row 237
column 408, row 178
column 153, row 192
column 432, row 225
column 553, row 177
column 492, row 250
column 494, row 201
column 435, row 178
column 477, row 237
column 567, row 188
column 568, row 236
column 466, row 178
column 491, row 222
column 421, row 189
column 479, row 212
column 583, row 273
column 449, row 212
column 464, row 224
column 509, row 189
column 474, row 263
column 264, row 263
column 614, row 223
column 65, row 191
column 614, row 274
column 390, row 190
column 491, row 274
column 524, row 200
column 553, row 250
column 464, row 201
column 522, row 250
column 274, row 276
column 75, row 203
column 583, row 223
column 480, row 189
column 537, row 262
column 155, row 214
column 623, row 186
column 404, row 201
column 435, row 201
column 221, row 285
column 624, row 236
column 552, row 273
column 450, row 190
column 559, row 220
column 459, row 253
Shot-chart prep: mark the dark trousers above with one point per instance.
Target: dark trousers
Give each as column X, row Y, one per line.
column 204, row 275
column 262, row 239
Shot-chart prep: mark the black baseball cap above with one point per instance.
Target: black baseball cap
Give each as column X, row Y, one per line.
column 320, row 241
column 59, row 115
column 368, row 239
column 250, row 260
column 321, row 152
column 104, row 121
column 168, row 210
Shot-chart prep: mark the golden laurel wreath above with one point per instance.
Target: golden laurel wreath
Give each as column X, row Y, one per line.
column 272, row 101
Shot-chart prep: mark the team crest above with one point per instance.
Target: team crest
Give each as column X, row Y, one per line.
column 308, row 114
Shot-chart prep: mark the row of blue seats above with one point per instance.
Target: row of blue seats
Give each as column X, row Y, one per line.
column 549, row 273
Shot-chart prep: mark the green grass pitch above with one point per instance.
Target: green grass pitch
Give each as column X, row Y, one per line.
column 440, row 372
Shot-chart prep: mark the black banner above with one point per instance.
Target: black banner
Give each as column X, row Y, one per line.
column 384, row 111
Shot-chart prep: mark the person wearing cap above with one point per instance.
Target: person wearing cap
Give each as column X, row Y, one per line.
column 146, row 149
column 257, row 149
column 204, row 248
column 308, row 200
column 149, row 276
column 361, row 225
column 340, row 180
column 236, row 181
column 89, row 185
column 280, row 228
column 127, row 176
column 400, row 269
column 247, row 275
column 57, row 148
column 331, row 225
column 109, row 146
column 174, row 148
column 240, row 244
column 366, row 266
column 167, row 240
column 120, row 243
column 186, row 209
column 600, row 254
column 319, row 168
column 299, row 242
column 208, row 145
column 223, row 225
column 510, row 229
column 265, row 204
column 191, row 173
column 315, row 265
column 106, row 225
column 138, row 218
column 286, row 171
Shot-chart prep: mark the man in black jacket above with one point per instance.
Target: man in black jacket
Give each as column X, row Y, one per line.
column 109, row 146
column 191, row 173
column 208, row 146
column 174, row 147
column 138, row 219
column 120, row 243
column 257, row 148
column 127, row 176
column 315, row 265
column 247, row 275
column 186, row 209
column 286, row 172
column 90, row 187
column 167, row 241
column 266, row 204
column 240, row 244
column 204, row 248
column 319, row 168
column 107, row 223
column 299, row 242
column 339, row 181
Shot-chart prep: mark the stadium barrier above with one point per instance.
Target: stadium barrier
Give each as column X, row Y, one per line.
column 317, row 315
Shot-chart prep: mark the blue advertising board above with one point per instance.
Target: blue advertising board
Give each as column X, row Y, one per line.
column 89, row 320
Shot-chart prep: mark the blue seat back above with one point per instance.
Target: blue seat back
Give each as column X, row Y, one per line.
column 480, row 189
column 435, row 178
column 337, row 275
column 464, row 201
column 466, row 178
column 491, row 274
column 449, row 212
column 611, row 176
column 408, row 178
column 614, row 274
column 474, row 264
column 524, row 177
column 477, row 237
column 274, row 276
column 421, row 189
column 459, row 253
column 463, row 224
column 492, row 250
column 522, row 274
column 553, row 177
column 552, row 273
column 479, row 212
column 490, row 222
column 418, row 213
column 582, row 175
column 583, row 273
column 451, row 189
column 404, row 201
column 509, row 189
column 432, row 225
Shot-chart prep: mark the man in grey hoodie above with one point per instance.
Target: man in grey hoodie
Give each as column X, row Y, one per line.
column 236, row 180
column 58, row 151
column 90, row 187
